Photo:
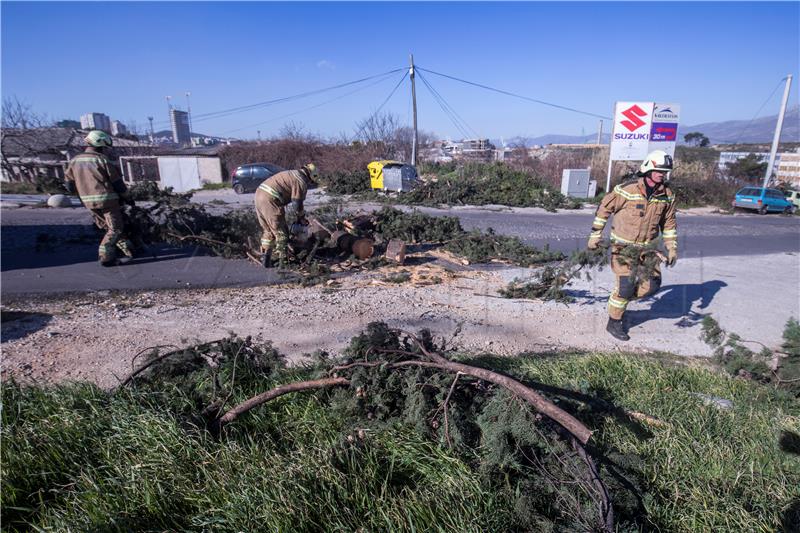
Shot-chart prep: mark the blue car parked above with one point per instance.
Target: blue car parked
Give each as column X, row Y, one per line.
column 762, row 200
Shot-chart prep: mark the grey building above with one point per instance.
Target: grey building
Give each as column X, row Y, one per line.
column 96, row 121
column 118, row 128
column 180, row 127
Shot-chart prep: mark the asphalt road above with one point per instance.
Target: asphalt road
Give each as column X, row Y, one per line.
column 50, row 251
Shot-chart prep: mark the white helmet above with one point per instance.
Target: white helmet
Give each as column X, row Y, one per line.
column 311, row 171
column 656, row 160
column 99, row 139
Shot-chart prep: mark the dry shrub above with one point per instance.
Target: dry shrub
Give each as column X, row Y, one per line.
column 294, row 153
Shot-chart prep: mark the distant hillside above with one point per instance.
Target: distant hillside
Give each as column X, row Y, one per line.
column 744, row 131
column 759, row 130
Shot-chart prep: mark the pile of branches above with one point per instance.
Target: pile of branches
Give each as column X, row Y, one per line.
column 780, row 368
column 479, row 247
column 483, row 184
column 173, row 218
column 550, row 282
column 387, row 379
column 473, row 246
column 346, row 182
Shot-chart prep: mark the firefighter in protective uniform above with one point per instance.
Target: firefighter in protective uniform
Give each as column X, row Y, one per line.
column 643, row 207
column 100, row 187
column 272, row 196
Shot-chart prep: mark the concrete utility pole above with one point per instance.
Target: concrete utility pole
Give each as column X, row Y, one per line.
column 414, row 100
column 152, row 133
column 778, row 127
column 600, row 132
column 189, row 116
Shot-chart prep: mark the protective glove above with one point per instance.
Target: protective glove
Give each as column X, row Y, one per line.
column 672, row 256
column 593, row 243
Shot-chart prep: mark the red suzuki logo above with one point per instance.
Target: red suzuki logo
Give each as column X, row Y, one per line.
column 632, row 114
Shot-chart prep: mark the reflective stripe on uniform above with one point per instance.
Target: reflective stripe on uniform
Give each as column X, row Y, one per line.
column 599, row 221
column 87, row 159
column 272, row 192
column 617, row 238
column 659, row 201
column 628, row 196
column 596, row 234
column 670, row 234
column 619, row 303
column 100, row 197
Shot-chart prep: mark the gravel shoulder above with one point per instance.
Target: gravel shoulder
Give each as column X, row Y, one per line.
column 95, row 336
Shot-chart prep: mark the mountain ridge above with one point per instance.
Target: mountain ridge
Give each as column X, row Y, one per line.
column 759, row 130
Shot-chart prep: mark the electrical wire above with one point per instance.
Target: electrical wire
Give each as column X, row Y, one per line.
column 373, row 115
column 447, row 112
column 452, row 109
column 515, row 95
column 226, row 112
column 386, row 76
column 741, row 133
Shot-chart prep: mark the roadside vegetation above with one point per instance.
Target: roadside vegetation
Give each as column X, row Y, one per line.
column 398, row 448
column 752, row 360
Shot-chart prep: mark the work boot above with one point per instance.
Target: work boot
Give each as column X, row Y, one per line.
column 266, row 259
column 109, row 262
column 616, row 329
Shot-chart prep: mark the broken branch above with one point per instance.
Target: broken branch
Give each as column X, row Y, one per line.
column 264, row 397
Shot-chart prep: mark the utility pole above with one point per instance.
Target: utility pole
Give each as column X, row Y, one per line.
column 259, row 136
column 414, row 100
column 777, row 136
column 152, row 133
column 189, row 116
column 600, row 132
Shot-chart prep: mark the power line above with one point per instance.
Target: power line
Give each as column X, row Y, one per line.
column 390, row 94
column 759, row 111
column 446, row 111
column 240, row 109
column 373, row 115
column 384, row 78
column 516, row 95
column 444, row 103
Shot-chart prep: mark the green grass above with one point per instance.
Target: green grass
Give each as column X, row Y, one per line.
column 76, row 458
column 216, row 186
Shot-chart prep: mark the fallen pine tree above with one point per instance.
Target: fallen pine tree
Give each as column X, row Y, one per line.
column 173, row 218
column 397, row 433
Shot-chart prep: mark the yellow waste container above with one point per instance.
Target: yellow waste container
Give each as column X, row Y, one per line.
column 376, row 172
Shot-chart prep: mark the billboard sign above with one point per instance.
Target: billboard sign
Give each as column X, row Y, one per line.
column 664, row 128
column 630, row 138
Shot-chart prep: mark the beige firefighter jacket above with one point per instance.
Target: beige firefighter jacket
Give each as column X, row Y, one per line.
column 97, row 180
column 638, row 220
column 285, row 187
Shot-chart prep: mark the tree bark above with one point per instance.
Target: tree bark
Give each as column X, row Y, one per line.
column 264, row 397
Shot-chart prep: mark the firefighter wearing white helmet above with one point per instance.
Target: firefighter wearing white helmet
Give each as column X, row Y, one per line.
column 100, row 187
column 272, row 197
column 643, row 207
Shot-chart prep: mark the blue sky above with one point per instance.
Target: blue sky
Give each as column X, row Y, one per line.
column 718, row 60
